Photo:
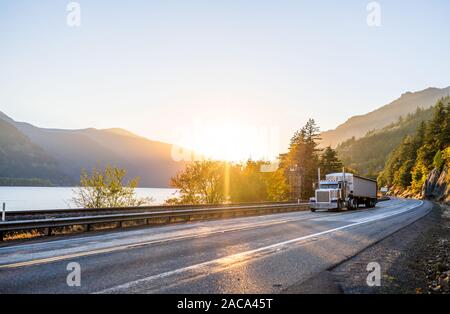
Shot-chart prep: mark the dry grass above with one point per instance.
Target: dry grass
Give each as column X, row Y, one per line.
column 34, row 233
column 22, row 235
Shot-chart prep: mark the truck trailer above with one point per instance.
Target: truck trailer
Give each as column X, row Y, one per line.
column 344, row 190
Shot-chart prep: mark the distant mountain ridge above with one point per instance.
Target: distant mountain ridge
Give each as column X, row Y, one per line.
column 56, row 156
column 23, row 162
column 69, row 151
column 367, row 155
column 358, row 126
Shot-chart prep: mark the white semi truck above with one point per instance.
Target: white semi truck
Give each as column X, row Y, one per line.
column 344, row 190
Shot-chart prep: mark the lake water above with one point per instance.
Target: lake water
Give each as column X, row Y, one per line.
column 26, row 198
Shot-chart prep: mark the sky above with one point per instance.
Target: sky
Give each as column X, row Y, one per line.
column 194, row 71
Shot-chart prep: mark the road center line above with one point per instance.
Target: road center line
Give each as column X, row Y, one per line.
column 220, row 263
column 151, row 242
column 116, row 248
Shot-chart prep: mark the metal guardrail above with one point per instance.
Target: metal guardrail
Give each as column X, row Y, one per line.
column 75, row 211
column 174, row 214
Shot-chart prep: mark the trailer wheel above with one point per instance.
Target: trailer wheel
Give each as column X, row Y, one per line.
column 370, row 204
column 352, row 204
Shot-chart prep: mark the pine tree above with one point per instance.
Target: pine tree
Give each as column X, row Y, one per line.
column 329, row 162
column 302, row 160
column 408, row 165
column 434, row 136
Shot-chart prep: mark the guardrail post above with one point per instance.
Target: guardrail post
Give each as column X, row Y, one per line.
column 4, row 212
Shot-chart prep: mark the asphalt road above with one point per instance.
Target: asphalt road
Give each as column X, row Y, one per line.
column 265, row 254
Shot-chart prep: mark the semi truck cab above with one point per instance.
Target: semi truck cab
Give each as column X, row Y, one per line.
column 344, row 190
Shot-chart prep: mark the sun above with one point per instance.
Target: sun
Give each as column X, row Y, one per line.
column 224, row 143
column 233, row 142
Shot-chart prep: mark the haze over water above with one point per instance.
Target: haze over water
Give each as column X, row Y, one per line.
column 40, row 198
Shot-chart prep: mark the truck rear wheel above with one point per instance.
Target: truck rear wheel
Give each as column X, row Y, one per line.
column 352, row 204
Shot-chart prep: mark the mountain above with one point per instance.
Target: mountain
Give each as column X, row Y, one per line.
column 24, row 163
column 368, row 154
column 419, row 166
column 73, row 150
column 358, row 126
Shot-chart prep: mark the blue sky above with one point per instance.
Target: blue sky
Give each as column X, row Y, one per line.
column 152, row 66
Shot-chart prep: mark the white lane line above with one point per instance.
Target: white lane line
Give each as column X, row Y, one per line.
column 180, row 228
column 19, row 259
column 225, row 262
column 41, row 258
column 167, row 230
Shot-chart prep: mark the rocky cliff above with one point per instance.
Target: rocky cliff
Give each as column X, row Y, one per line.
column 437, row 185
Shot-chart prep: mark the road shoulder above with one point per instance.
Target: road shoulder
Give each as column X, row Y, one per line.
column 415, row 259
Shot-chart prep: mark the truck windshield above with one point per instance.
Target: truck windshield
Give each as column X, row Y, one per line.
column 329, row 186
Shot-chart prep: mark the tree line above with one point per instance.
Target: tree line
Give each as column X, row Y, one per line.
column 408, row 166
column 368, row 155
column 215, row 182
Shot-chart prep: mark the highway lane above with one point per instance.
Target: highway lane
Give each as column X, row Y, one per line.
column 254, row 254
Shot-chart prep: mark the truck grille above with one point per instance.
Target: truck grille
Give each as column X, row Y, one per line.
column 323, row 197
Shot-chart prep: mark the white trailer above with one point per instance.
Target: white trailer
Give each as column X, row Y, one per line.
column 344, row 190
column 364, row 188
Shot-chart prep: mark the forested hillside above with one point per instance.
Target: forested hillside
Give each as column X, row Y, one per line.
column 409, row 166
column 208, row 181
column 367, row 155
column 407, row 103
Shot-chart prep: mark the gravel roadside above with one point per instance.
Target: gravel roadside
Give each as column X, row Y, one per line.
column 414, row 260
